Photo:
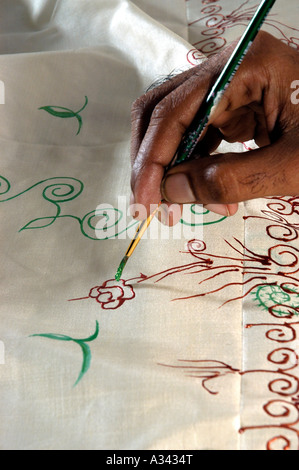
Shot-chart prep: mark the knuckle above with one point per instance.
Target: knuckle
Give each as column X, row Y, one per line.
column 160, row 113
column 149, row 105
column 138, row 107
column 167, row 114
column 145, row 104
column 264, row 36
column 216, row 183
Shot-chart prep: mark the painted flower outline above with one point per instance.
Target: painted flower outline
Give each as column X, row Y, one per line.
column 112, row 294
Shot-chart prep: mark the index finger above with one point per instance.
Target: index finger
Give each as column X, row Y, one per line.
column 168, row 122
column 144, row 106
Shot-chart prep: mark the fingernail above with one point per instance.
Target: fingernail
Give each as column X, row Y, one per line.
column 162, row 214
column 221, row 209
column 169, row 215
column 176, row 188
column 132, row 206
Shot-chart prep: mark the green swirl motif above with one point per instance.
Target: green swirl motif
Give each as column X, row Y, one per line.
column 202, row 217
column 64, row 113
column 58, row 191
column 279, row 300
column 81, row 342
column 4, row 185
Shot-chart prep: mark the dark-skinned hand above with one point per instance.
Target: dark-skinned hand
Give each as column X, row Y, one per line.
column 259, row 104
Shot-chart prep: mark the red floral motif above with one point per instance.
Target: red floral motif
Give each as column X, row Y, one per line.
column 112, row 294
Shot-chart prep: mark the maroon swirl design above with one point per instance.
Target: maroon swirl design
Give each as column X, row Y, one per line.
column 284, row 256
column 287, row 437
column 194, row 56
column 282, row 356
column 282, row 409
column 217, row 23
column 284, row 212
column 285, row 443
column 212, row 40
column 278, row 267
column 288, row 415
column 282, row 333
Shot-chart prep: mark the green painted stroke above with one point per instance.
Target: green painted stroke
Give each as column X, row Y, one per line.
column 83, row 345
column 282, row 301
column 199, row 210
column 58, row 191
column 64, row 113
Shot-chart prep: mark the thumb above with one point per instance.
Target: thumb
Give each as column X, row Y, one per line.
column 235, row 177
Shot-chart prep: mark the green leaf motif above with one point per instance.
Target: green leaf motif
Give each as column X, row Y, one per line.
column 62, row 112
column 36, row 223
column 53, row 110
column 86, row 361
column 81, row 342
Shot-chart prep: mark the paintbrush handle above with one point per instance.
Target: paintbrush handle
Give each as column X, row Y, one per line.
column 140, row 231
column 197, row 127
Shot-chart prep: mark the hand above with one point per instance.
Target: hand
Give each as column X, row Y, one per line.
column 258, row 104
